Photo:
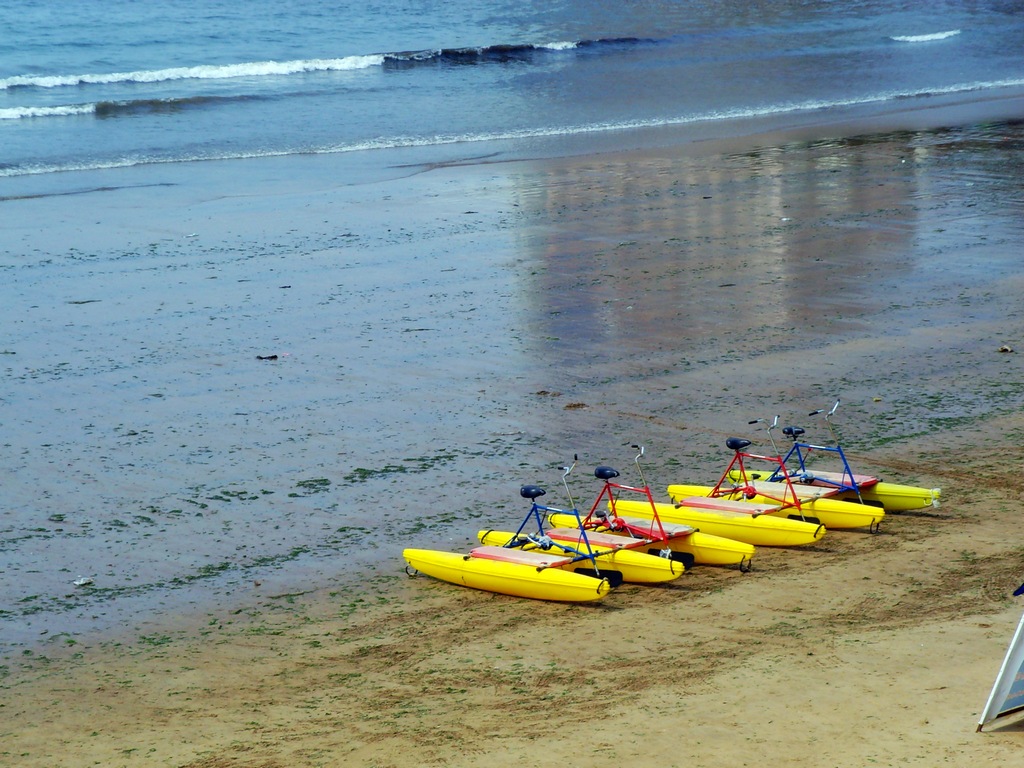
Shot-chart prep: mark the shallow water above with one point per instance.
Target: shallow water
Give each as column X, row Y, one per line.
column 443, row 338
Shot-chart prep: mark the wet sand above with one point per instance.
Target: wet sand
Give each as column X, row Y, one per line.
column 233, row 394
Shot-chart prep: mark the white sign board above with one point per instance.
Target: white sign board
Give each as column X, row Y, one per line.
column 1008, row 692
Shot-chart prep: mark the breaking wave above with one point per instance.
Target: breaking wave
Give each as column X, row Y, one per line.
column 925, row 38
column 110, row 109
column 489, row 53
column 210, row 72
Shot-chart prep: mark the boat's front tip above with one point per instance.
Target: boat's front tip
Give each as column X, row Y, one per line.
column 936, row 493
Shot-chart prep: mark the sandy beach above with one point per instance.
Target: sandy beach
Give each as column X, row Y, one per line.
column 234, row 392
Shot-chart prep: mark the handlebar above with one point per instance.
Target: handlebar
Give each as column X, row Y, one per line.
column 636, row 461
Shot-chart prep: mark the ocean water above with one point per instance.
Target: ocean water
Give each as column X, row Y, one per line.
column 109, row 83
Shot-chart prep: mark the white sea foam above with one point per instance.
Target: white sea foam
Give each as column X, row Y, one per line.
column 17, row 113
column 564, row 45
column 925, row 38
column 208, row 72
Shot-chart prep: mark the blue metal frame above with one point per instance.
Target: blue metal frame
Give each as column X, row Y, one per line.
column 802, row 450
column 537, row 512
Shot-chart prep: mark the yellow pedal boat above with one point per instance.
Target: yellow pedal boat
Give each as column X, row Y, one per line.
column 892, row 497
column 758, row 530
column 704, row 548
column 846, row 485
column 534, row 575
column 613, row 553
column 815, row 502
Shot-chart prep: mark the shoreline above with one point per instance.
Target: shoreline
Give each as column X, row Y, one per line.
column 719, row 135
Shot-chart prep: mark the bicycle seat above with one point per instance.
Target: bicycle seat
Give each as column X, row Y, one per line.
column 793, row 432
column 531, row 491
column 736, row 443
column 605, row 473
